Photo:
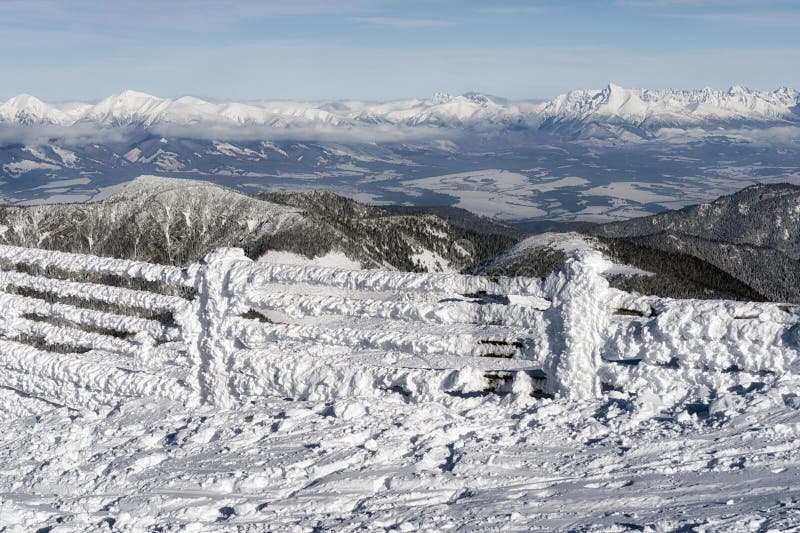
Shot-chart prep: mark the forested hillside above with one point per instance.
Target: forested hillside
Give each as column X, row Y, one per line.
column 175, row 221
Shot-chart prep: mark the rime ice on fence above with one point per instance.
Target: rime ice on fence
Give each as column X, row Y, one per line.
column 320, row 333
column 211, row 343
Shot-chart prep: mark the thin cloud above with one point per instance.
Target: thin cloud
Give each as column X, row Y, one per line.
column 775, row 20
column 697, row 3
column 75, row 135
column 84, row 134
column 204, row 15
column 403, row 23
column 512, row 10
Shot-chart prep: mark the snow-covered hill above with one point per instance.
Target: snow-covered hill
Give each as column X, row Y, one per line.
column 753, row 235
column 176, row 221
column 641, row 108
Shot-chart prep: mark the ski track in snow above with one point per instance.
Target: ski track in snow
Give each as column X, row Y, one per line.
column 345, row 412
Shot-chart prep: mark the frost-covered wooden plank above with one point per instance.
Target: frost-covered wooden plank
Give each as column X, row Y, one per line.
column 18, row 305
column 650, row 306
column 419, row 340
column 71, row 262
column 446, row 312
column 384, row 358
column 482, row 332
column 69, row 336
column 77, row 371
column 318, row 374
column 378, row 280
column 170, row 356
column 92, row 291
column 711, row 335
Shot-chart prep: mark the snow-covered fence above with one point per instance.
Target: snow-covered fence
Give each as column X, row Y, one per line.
column 89, row 343
column 322, row 332
column 227, row 329
column 252, row 329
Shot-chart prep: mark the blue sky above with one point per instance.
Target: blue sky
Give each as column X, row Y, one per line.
column 382, row 49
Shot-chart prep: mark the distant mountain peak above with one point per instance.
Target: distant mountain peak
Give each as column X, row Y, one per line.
column 27, row 109
column 133, row 94
column 613, row 105
column 191, row 100
column 441, row 97
column 477, row 98
column 25, row 99
column 612, row 87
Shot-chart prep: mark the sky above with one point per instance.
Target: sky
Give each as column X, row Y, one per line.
column 61, row 50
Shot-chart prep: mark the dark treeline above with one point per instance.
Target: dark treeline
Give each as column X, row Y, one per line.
column 676, row 275
column 752, row 236
column 379, row 236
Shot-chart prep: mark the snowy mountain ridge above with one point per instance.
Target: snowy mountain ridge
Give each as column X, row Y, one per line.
column 673, row 106
column 615, row 104
column 176, row 221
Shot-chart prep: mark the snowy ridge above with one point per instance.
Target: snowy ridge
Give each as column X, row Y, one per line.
column 132, row 108
column 426, row 336
column 671, row 107
column 631, row 106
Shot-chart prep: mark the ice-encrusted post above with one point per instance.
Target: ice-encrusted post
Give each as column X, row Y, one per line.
column 205, row 325
column 576, row 319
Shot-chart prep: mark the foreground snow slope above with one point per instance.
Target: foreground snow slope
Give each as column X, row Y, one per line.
column 298, row 397
column 475, row 464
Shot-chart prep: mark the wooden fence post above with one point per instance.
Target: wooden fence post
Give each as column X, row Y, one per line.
column 206, row 328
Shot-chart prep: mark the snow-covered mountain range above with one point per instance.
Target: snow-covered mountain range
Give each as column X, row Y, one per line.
column 633, row 107
column 602, row 155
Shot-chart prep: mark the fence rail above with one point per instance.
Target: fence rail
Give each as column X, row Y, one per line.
column 227, row 329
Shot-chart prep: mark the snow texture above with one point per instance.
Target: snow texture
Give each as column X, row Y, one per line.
column 290, row 397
